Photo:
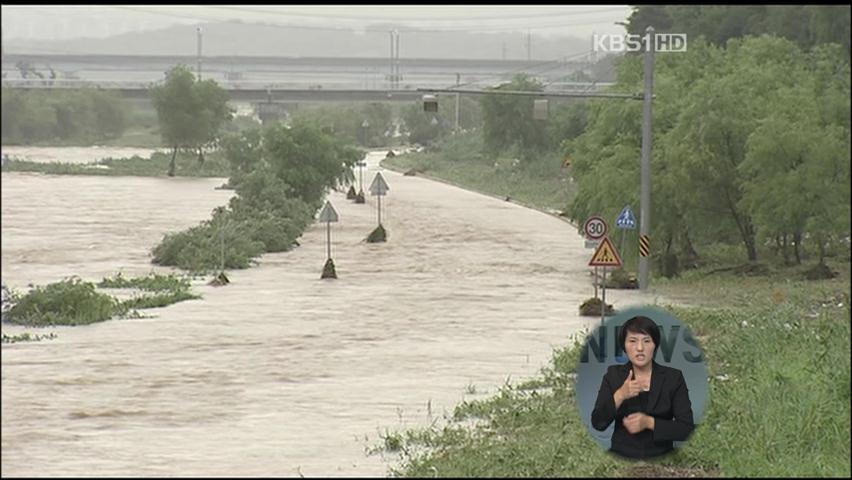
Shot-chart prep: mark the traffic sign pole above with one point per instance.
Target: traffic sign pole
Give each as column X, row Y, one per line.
column 380, row 209
column 328, row 215
column 603, row 296
column 595, row 282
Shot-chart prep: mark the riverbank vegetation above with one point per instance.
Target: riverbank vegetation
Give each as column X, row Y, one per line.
column 190, row 112
column 765, row 165
column 80, row 117
column 751, row 219
column 76, row 302
column 778, row 342
column 281, row 175
column 186, row 165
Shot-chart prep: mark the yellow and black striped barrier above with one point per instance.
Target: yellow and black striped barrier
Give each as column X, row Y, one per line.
column 644, row 245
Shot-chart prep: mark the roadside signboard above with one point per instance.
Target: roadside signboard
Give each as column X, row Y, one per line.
column 606, row 255
column 595, row 228
column 626, row 219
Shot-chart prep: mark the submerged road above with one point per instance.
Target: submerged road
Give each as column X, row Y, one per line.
column 281, row 373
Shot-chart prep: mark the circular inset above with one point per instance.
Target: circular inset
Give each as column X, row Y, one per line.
column 636, row 403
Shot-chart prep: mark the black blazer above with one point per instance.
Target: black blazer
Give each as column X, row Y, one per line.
column 667, row 401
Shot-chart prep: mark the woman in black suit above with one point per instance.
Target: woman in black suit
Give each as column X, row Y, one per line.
column 648, row 402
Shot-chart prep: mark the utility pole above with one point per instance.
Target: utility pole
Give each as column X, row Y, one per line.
column 396, row 73
column 390, row 65
column 394, row 59
column 458, row 101
column 198, row 56
column 645, row 192
column 529, row 46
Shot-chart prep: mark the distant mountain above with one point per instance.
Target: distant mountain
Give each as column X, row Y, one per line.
column 244, row 39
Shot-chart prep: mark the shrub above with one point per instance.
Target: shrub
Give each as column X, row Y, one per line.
column 69, row 302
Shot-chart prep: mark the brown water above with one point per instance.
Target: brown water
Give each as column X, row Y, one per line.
column 74, row 154
column 279, row 373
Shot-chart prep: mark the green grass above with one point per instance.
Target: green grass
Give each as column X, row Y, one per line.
column 152, row 282
column 187, row 165
column 541, row 183
column 778, row 350
column 158, row 300
column 69, row 302
column 76, row 302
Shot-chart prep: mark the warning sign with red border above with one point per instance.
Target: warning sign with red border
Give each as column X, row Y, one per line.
column 605, row 255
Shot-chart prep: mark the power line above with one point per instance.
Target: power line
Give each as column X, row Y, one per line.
column 377, row 29
column 427, row 19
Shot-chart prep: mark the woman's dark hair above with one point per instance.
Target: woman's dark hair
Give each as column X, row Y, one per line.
column 640, row 324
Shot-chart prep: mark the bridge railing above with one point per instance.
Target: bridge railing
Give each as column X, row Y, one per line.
column 255, row 85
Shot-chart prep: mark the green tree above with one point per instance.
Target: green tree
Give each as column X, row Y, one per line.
column 307, row 159
column 806, row 25
column 803, row 146
column 425, row 127
column 508, row 119
column 190, row 113
column 749, row 145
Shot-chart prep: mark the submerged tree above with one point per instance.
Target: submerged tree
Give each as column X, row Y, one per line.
column 190, row 113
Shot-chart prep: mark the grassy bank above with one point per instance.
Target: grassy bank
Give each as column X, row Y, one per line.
column 215, row 165
column 541, row 182
column 778, row 357
column 777, row 347
column 76, row 302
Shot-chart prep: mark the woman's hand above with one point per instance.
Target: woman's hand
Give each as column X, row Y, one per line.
column 636, row 422
column 630, row 388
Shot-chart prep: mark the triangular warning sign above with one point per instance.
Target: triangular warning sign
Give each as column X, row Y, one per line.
column 379, row 185
column 605, row 255
column 328, row 214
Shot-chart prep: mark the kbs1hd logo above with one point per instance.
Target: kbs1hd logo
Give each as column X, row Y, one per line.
column 663, row 42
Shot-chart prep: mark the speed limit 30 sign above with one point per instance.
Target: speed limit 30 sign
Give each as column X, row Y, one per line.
column 595, row 228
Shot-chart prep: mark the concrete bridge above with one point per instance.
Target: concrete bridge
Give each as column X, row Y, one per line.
column 286, row 78
column 278, row 84
column 268, row 92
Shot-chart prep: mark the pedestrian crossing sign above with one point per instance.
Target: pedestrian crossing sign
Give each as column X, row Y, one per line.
column 605, row 255
column 626, row 219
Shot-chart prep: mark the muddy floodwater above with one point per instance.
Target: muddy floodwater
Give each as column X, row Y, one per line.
column 75, row 154
column 279, row 373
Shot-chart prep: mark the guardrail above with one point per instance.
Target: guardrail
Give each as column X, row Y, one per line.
column 265, row 85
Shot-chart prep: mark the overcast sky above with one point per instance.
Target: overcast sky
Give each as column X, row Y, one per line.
column 64, row 22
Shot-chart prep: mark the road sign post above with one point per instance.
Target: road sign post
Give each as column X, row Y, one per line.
column 603, row 295
column 595, row 229
column 378, row 188
column 329, row 216
column 625, row 221
column 605, row 256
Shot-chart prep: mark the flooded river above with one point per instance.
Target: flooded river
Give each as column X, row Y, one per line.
column 279, row 373
column 75, row 154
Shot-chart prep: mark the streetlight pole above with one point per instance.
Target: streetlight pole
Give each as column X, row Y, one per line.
column 198, row 56
column 645, row 192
